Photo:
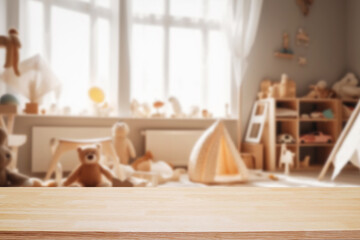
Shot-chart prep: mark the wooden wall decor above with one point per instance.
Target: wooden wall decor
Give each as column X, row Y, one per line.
column 305, row 5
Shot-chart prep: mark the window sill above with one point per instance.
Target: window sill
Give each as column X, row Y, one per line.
column 34, row 116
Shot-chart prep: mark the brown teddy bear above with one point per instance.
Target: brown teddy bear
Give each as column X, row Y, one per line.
column 90, row 171
column 10, row 178
column 12, row 45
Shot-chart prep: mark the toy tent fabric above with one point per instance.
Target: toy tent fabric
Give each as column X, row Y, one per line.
column 350, row 147
column 215, row 159
column 36, row 80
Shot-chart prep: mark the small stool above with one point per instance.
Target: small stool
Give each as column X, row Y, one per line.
column 61, row 146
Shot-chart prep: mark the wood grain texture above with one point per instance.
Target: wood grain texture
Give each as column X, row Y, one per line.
column 191, row 213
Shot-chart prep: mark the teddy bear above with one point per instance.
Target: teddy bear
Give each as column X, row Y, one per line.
column 90, row 172
column 347, row 87
column 10, row 178
column 123, row 146
column 12, row 45
column 320, row 90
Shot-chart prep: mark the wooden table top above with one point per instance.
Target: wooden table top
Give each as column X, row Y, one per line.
column 201, row 213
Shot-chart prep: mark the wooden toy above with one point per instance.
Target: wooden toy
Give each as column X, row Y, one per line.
column 305, row 163
column 320, row 90
column 158, row 105
column 286, row 88
column 122, row 144
column 304, row 6
column 316, row 137
column 286, row 159
column 302, row 38
column 63, row 145
column 347, row 147
column 347, row 87
column 215, row 159
column 10, row 178
column 36, row 80
column 90, row 171
column 285, row 51
column 12, row 44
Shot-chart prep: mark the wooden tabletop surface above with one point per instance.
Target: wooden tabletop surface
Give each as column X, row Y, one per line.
column 234, row 213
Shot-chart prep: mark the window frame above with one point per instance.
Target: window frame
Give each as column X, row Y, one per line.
column 167, row 21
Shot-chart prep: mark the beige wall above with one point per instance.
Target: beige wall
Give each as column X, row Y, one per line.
column 353, row 36
column 326, row 54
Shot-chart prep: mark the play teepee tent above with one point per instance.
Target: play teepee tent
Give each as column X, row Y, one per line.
column 347, row 147
column 215, row 159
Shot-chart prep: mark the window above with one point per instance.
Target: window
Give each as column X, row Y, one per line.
column 178, row 49
column 79, row 39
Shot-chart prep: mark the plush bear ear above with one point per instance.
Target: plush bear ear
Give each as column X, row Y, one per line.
column 98, row 146
column 3, row 137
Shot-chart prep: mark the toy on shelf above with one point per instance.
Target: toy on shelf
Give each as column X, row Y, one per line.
column 158, row 105
column 123, row 146
column 328, row 114
column 305, row 163
column 215, row 159
column 36, row 80
column 206, row 114
column 101, row 107
column 304, row 6
column 347, row 87
column 302, row 38
column 286, row 159
column 194, row 112
column 90, row 171
column 11, row 178
column 176, row 108
column 286, row 88
column 320, row 90
column 285, row 138
column 285, row 51
column 140, row 110
column 316, row 137
column 12, row 45
column 316, row 115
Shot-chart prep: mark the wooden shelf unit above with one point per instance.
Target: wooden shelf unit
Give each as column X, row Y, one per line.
column 297, row 126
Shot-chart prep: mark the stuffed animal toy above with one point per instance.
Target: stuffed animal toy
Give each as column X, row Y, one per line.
column 12, row 45
column 176, row 107
column 90, row 171
column 10, row 178
column 165, row 172
column 347, row 87
column 123, row 146
column 320, row 90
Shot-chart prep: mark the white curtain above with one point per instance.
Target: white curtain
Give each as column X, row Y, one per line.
column 241, row 25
